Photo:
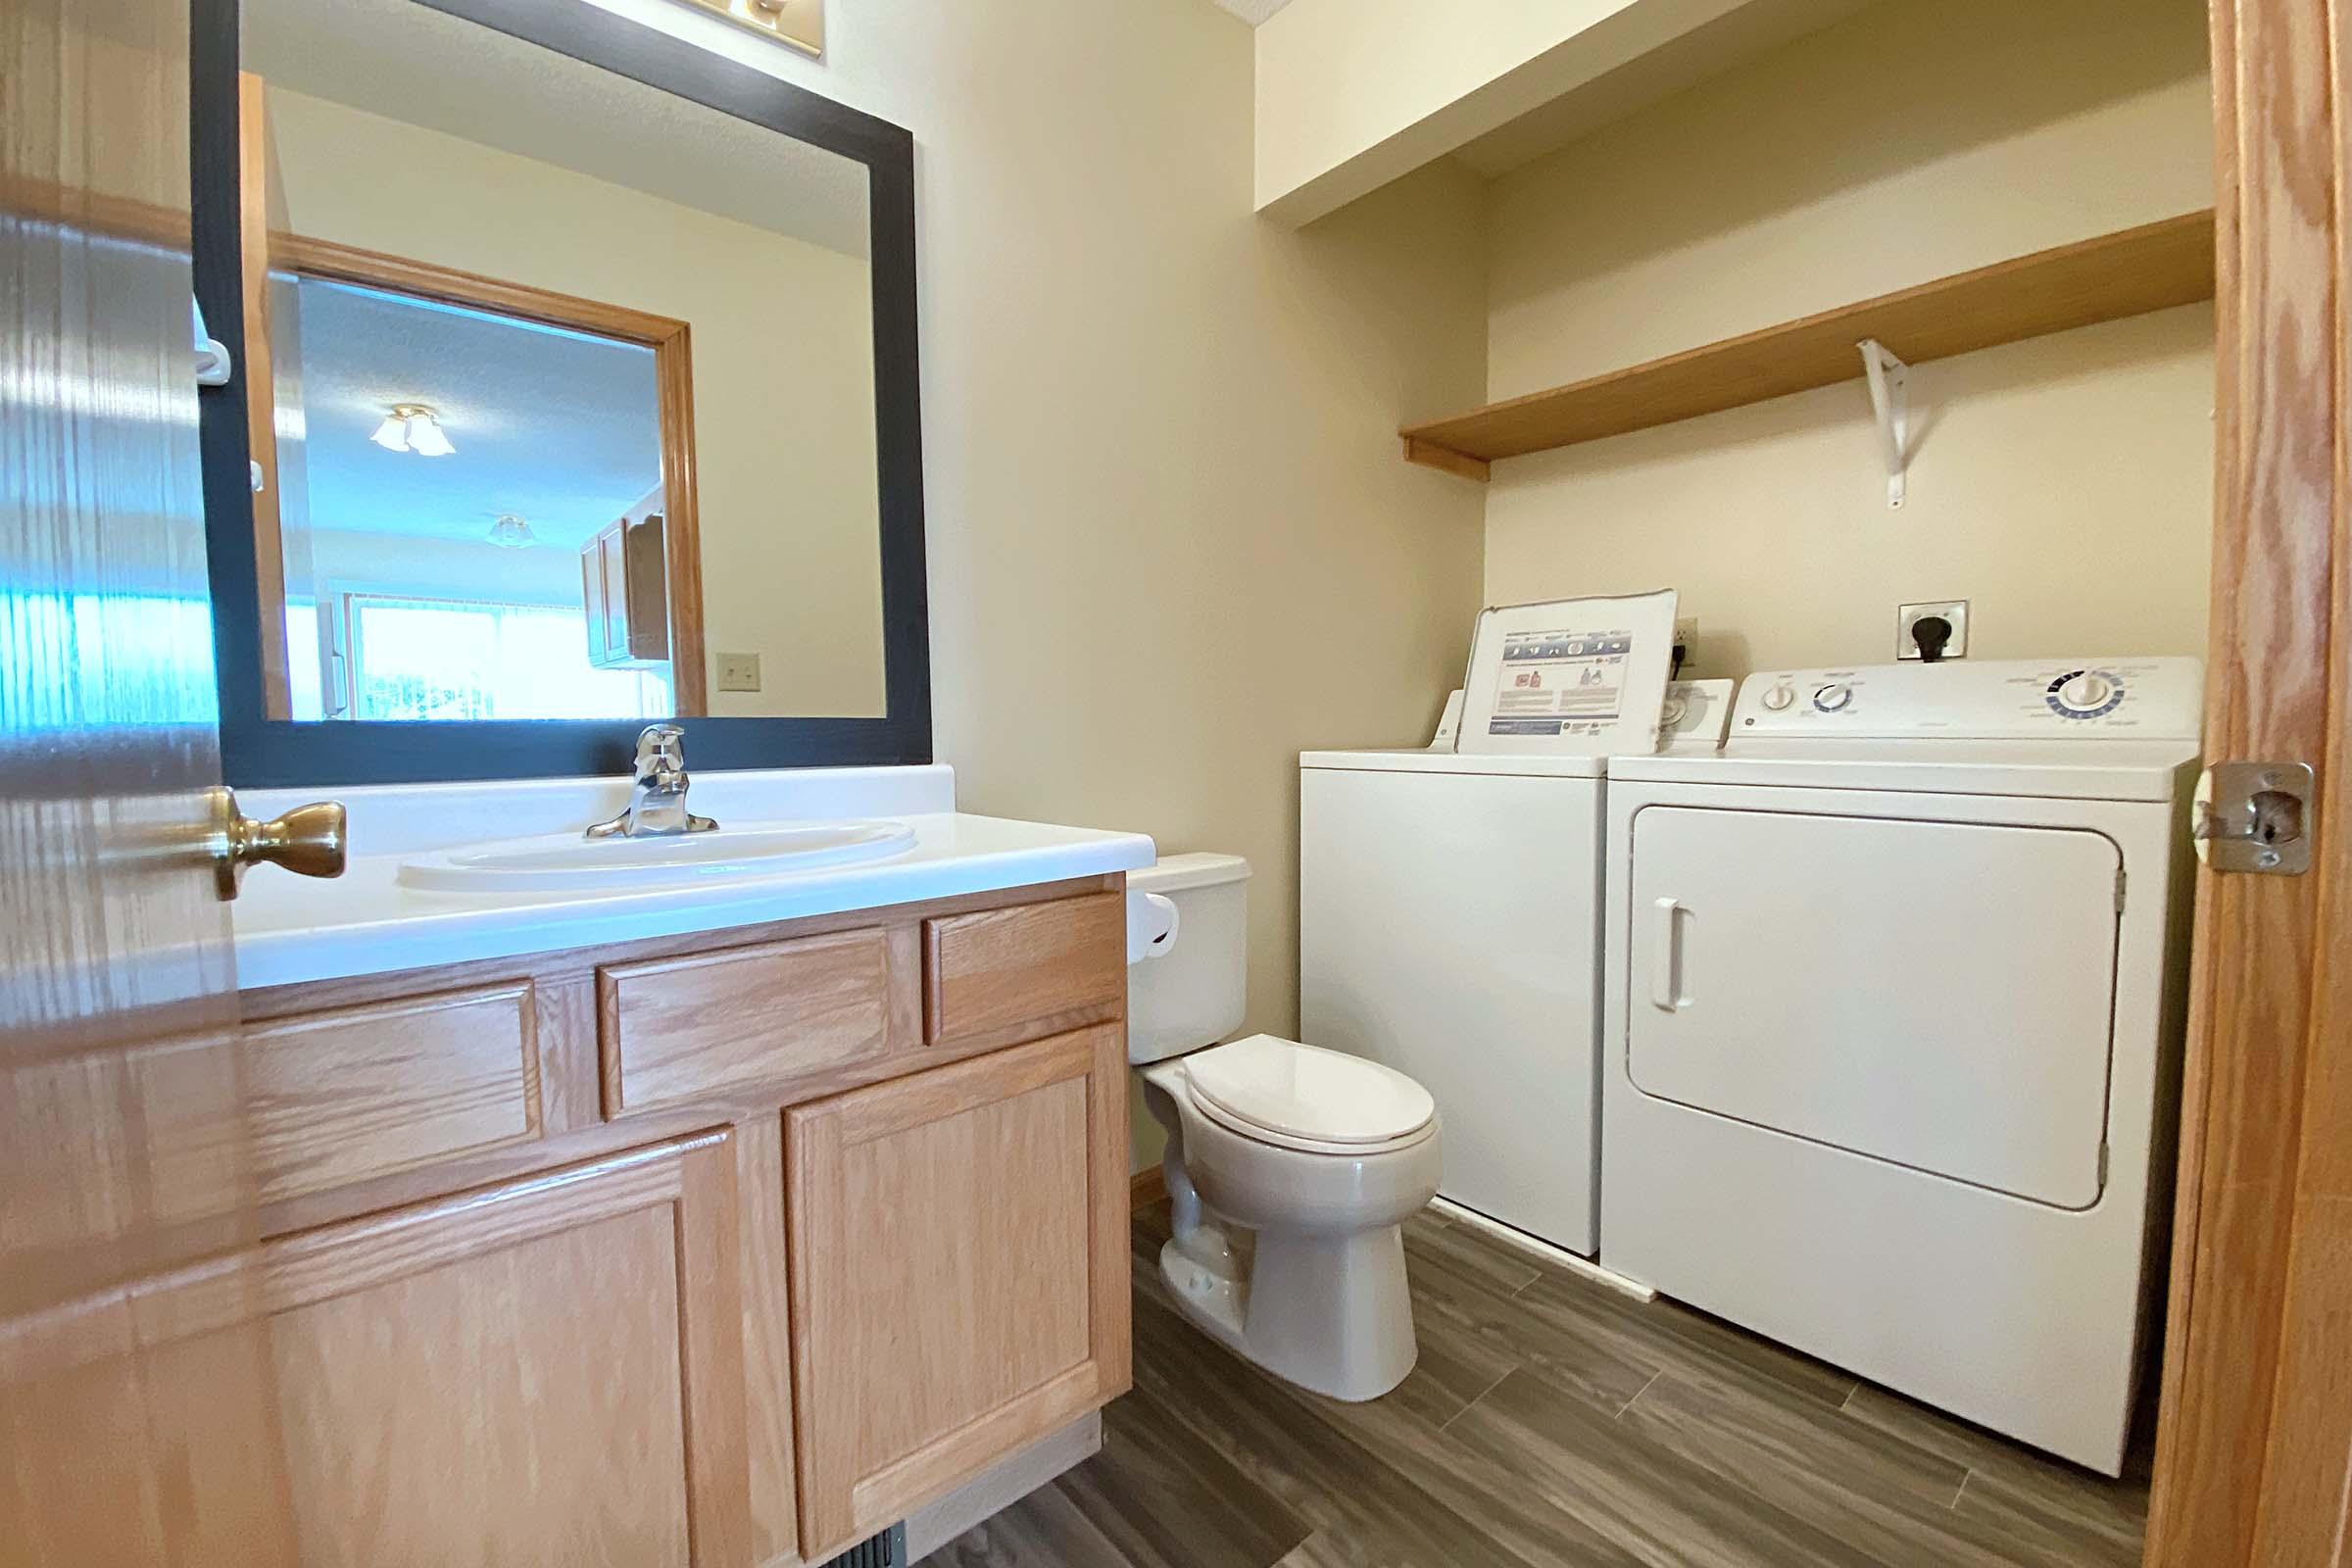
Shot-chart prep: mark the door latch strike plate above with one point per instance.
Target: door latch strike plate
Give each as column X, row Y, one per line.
column 2254, row 817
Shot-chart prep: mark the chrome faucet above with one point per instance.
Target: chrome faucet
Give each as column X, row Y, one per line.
column 658, row 791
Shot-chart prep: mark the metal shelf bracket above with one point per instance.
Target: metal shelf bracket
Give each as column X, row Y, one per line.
column 1890, row 403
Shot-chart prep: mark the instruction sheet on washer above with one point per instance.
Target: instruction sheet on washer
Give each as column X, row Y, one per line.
column 1574, row 675
column 1560, row 682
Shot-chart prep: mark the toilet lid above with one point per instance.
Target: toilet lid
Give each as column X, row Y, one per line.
column 1305, row 1092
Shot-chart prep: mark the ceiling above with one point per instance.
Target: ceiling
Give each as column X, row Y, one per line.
column 1252, row 11
column 410, row 63
column 555, row 427
column 1693, row 56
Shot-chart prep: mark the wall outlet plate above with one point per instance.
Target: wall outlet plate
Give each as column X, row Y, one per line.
column 1955, row 611
column 1685, row 631
column 739, row 673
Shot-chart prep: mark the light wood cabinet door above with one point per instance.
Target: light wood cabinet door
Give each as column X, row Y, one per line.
column 958, row 1255
column 549, row 1372
column 595, row 602
column 624, row 589
column 613, row 562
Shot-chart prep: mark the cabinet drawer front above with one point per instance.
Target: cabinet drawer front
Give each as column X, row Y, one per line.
column 1002, row 975
column 280, row 1109
column 341, row 1097
column 674, row 1030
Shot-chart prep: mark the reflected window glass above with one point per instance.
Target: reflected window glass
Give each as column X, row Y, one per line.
column 416, row 658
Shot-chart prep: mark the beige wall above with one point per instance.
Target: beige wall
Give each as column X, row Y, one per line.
column 2063, row 485
column 783, row 368
column 1170, row 540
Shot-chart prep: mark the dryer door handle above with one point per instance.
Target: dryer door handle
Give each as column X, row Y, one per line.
column 1666, row 954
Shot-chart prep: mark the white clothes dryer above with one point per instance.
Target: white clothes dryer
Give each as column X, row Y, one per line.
column 1892, row 997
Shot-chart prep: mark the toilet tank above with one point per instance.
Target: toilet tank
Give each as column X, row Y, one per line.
column 1191, row 993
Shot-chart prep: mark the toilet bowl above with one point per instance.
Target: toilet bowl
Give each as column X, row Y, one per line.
column 1315, row 1156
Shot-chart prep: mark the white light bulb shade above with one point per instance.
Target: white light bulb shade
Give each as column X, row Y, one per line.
column 425, row 437
column 393, row 434
column 511, row 532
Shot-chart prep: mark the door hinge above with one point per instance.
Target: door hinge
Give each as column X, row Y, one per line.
column 2254, row 817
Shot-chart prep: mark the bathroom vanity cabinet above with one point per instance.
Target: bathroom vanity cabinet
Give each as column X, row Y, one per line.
column 727, row 1249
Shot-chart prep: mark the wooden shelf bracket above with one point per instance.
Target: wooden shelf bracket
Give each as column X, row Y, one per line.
column 1890, row 403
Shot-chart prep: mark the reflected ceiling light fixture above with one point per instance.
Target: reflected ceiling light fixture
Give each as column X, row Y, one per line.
column 511, row 532
column 413, row 427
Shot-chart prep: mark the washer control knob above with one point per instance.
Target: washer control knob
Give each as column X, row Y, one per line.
column 1832, row 697
column 1672, row 712
column 2085, row 692
column 1779, row 696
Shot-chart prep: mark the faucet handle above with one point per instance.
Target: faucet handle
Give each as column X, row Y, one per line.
column 661, row 748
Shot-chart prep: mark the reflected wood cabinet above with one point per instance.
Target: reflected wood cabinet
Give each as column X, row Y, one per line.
column 624, row 593
column 737, row 1268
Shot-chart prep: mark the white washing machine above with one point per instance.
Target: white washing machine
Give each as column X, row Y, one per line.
column 1449, row 927
column 1892, row 997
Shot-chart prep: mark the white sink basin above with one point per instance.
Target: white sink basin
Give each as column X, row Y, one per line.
column 567, row 863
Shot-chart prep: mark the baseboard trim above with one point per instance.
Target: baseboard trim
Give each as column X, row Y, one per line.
column 1573, row 1262
column 1147, row 1186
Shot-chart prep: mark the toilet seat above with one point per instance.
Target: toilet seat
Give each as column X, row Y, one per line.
column 1301, row 1097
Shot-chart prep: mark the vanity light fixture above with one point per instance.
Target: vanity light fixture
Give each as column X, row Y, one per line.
column 800, row 23
column 511, row 532
column 413, row 427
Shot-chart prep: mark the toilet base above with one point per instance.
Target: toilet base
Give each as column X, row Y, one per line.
column 1330, row 1313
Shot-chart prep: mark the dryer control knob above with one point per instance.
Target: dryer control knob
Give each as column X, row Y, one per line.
column 2087, row 691
column 1777, row 698
column 1832, row 697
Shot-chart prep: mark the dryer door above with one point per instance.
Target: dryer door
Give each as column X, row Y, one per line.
column 1938, row 995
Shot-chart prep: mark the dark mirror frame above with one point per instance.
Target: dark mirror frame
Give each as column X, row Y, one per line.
column 259, row 751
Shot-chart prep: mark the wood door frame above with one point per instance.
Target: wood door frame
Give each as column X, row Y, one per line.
column 261, row 391
column 670, row 340
column 2256, row 1426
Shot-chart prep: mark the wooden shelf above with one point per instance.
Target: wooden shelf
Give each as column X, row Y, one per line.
column 2124, row 273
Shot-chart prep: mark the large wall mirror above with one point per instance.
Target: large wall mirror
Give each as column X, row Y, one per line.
column 576, row 390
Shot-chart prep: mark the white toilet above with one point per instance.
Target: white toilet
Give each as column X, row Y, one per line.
column 1319, row 1154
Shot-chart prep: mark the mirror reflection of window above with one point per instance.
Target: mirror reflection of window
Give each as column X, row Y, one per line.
column 538, row 346
column 433, row 551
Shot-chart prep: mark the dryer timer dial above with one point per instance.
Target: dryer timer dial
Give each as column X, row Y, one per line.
column 2085, row 694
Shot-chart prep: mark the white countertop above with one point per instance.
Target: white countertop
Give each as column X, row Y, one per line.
column 291, row 929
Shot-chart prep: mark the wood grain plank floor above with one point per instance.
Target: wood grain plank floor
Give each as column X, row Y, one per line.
column 1550, row 1422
